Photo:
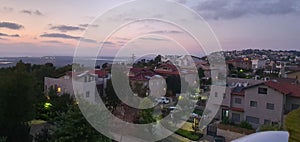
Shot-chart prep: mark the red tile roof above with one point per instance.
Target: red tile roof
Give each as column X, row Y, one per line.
column 141, row 74
column 100, row 73
column 167, row 69
column 285, row 88
column 167, row 72
column 136, row 70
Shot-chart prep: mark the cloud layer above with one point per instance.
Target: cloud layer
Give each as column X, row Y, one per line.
column 10, row 25
column 66, row 28
column 32, row 12
column 230, row 9
column 165, row 32
column 66, row 36
column 7, row 35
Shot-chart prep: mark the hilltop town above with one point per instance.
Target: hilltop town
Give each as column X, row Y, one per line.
column 262, row 87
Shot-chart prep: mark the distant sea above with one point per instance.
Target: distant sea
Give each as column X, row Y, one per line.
column 57, row 61
column 60, row 61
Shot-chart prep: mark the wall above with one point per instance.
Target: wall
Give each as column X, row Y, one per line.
column 294, row 75
column 64, row 83
column 260, row 111
column 291, row 100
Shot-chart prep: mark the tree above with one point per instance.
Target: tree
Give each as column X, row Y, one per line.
column 105, row 65
column 292, row 125
column 139, row 89
column 259, row 72
column 16, row 103
column 72, row 126
column 111, row 98
column 231, row 67
column 146, row 115
column 157, row 59
column 176, row 84
column 200, row 73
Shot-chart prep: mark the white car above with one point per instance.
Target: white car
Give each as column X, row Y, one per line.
column 162, row 100
column 193, row 115
column 174, row 109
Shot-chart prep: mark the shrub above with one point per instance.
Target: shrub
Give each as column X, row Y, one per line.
column 292, row 125
column 188, row 134
column 270, row 128
column 246, row 125
column 225, row 120
column 3, row 139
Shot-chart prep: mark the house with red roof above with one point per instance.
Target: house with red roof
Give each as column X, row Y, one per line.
column 166, row 69
column 260, row 102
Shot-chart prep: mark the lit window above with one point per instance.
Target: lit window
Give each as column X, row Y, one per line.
column 58, row 90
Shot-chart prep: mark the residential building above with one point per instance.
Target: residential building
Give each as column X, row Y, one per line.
column 241, row 63
column 233, row 96
column 258, row 63
column 260, row 103
column 86, row 85
column 294, row 74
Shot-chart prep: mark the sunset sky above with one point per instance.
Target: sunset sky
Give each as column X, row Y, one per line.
column 40, row 28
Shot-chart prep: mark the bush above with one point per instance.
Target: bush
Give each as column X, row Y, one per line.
column 292, row 125
column 246, row 125
column 225, row 121
column 188, row 134
column 3, row 139
column 271, row 128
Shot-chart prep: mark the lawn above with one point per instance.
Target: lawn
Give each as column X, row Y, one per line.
column 188, row 134
column 292, row 125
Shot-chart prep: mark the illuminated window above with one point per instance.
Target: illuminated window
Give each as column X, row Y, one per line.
column 58, row 90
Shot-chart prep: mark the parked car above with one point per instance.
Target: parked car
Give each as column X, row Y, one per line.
column 162, row 100
column 174, row 109
column 193, row 115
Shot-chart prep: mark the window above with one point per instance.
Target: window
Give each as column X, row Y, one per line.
column 224, row 95
column 295, row 106
column 216, row 94
column 262, row 90
column 236, row 117
column 253, row 120
column 85, row 79
column 267, row 122
column 238, row 100
column 253, row 103
column 58, row 89
column 91, row 79
column 270, row 106
column 87, row 94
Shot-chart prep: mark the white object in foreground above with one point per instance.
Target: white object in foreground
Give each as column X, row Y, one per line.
column 268, row 136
